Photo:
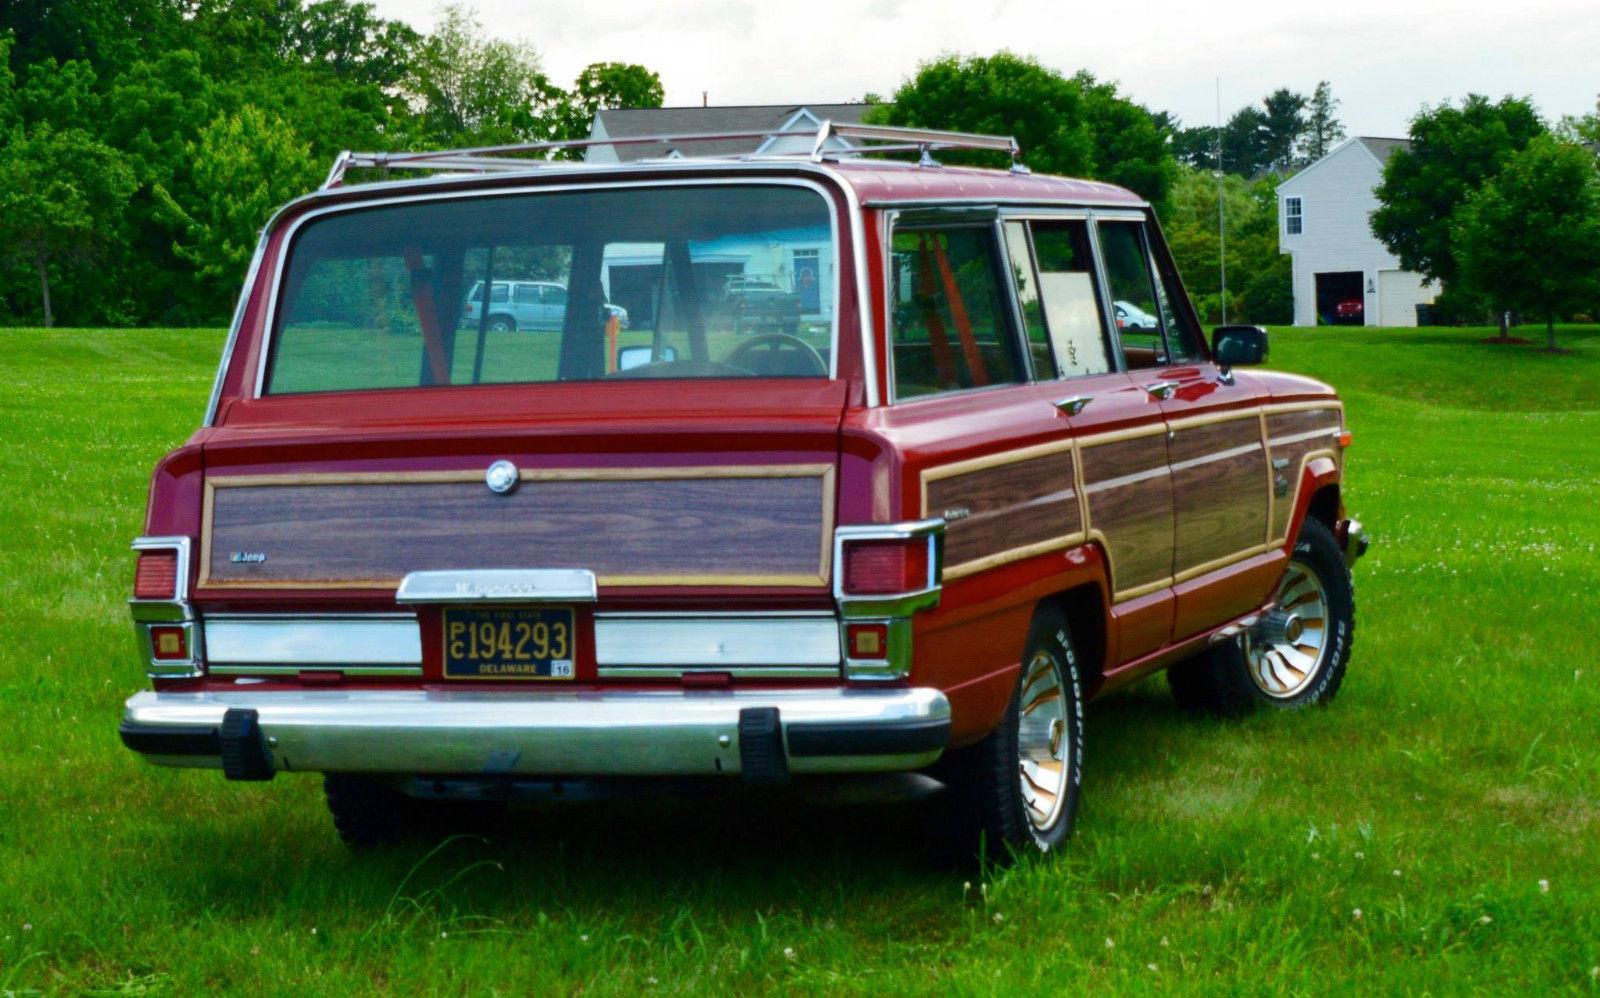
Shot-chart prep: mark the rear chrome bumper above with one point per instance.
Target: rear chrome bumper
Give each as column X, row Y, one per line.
column 763, row 735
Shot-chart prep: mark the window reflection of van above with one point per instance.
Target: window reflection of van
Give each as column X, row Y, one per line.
column 529, row 305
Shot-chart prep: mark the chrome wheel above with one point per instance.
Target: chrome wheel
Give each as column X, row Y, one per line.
column 1042, row 742
column 1287, row 647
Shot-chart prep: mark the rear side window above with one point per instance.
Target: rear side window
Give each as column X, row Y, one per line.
column 1071, row 301
column 951, row 315
column 733, row 281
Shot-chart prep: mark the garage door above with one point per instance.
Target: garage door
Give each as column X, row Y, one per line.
column 1399, row 294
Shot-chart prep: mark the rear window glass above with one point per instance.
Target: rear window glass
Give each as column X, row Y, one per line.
column 671, row 282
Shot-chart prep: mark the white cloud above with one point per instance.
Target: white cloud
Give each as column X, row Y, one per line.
column 1385, row 58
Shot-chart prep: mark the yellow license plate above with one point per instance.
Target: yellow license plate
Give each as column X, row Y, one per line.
column 508, row 643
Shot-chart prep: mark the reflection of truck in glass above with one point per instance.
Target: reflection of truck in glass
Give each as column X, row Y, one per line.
column 538, row 305
column 759, row 303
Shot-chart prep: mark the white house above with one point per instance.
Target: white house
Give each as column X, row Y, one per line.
column 1323, row 223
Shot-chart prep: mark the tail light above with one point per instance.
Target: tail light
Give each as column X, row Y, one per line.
column 883, row 574
column 155, row 575
column 163, row 620
column 881, row 568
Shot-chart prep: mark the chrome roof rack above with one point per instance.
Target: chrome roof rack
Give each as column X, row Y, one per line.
column 514, row 158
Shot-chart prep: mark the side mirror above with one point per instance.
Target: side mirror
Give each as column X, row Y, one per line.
column 1238, row 345
column 631, row 357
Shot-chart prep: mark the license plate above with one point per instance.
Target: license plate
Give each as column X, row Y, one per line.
column 508, row 643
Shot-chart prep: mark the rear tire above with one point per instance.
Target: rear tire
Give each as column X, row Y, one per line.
column 1017, row 790
column 501, row 324
column 367, row 813
column 1295, row 657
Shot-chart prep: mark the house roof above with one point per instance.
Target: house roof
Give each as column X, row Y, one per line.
column 1382, row 148
column 635, row 122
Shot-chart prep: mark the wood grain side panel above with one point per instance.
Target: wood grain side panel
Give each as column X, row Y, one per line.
column 1219, row 483
column 1292, row 437
column 691, row 530
column 1016, row 506
column 1129, row 489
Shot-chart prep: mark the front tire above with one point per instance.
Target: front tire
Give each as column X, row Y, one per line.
column 1017, row 790
column 1297, row 655
column 501, row 324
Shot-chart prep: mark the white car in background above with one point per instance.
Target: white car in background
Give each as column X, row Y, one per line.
column 1131, row 316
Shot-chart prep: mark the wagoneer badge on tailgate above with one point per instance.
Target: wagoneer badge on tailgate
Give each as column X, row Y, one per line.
column 501, row 477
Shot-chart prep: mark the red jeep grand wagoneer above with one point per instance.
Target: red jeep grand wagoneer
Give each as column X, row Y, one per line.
column 437, row 555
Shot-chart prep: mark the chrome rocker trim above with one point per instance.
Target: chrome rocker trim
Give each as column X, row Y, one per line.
column 254, row 734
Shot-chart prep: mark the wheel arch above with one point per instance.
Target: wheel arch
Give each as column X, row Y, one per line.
column 1084, row 606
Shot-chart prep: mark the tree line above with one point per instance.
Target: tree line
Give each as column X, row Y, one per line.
column 143, row 143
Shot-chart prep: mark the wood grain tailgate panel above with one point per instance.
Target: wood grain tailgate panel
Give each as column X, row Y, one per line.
column 711, row 528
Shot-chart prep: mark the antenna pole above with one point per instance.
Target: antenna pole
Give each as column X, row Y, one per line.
column 1222, row 213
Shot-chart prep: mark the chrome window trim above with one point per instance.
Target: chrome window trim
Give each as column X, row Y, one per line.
column 263, row 361
column 238, row 321
column 761, row 643
column 858, row 251
column 1031, row 203
column 251, row 642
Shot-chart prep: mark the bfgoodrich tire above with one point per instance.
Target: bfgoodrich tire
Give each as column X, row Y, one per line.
column 1017, row 790
column 1297, row 655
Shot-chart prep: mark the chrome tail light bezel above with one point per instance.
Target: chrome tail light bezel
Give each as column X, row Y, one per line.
column 893, row 610
column 175, row 611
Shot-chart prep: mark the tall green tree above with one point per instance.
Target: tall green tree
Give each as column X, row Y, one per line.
column 469, row 88
column 245, row 166
column 1529, row 239
column 1076, row 126
column 1284, row 123
column 61, row 193
column 1454, row 151
column 606, row 85
column 1323, row 128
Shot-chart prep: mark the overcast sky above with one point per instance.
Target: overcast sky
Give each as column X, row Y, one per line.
column 1385, row 58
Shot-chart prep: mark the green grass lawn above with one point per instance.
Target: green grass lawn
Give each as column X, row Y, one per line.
column 1434, row 831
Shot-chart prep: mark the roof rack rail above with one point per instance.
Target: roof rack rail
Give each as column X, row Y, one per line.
column 923, row 141
column 503, row 158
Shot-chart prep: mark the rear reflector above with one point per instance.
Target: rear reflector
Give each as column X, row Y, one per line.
column 156, row 575
column 1346, row 439
column 168, row 644
column 878, row 568
column 867, row 640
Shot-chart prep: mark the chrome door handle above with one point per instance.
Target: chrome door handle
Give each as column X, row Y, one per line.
column 1072, row 404
column 1162, row 389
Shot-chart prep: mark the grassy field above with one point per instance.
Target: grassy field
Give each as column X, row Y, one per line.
column 1434, row 831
